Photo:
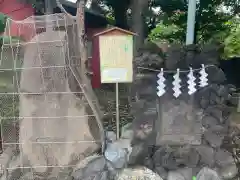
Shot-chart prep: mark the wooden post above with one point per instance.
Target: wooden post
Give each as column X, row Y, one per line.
column 81, row 76
column 117, row 112
column 81, row 30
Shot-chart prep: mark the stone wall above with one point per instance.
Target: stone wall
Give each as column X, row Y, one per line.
column 206, row 112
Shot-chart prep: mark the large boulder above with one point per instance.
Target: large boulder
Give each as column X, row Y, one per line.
column 54, row 122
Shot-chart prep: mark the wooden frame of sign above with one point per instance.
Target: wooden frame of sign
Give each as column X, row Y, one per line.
column 113, row 59
column 113, row 54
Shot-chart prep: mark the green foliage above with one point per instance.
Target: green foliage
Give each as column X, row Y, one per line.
column 119, row 10
column 110, row 17
column 8, row 102
column 232, row 43
column 38, row 5
column 209, row 19
column 6, row 39
column 170, row 33
column 3, row 19
column 9, row 107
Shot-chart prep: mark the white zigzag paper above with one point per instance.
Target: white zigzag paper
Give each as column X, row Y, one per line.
column 191, row 82
column 176, row 85
column 161, row 84
column 203, row 79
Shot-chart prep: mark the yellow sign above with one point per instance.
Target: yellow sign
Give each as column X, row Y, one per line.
column 116, row 54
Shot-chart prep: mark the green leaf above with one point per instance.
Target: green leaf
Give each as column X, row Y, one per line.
column 3, row 19
column 10, row 39
column 232, row 43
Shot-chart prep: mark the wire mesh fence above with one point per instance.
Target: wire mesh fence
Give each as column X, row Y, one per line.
column 47, row 122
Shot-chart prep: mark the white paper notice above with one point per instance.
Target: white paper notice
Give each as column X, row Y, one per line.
column 114, row 74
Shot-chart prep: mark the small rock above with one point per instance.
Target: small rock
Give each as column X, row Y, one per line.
column 208, row 174
column 209, row 121
column 166, row 158
column 137, row 106
column 233, row 100
column 215, row 112
column 143, row 125
column 187, row 173
column 229, row 171
column 127, row 131
column 111, row 136
column 137, row 173
column 231, row 88
column 96, row 176
column 223, row 158
column 161, row 172
column 206, row 154
column 214, row 98
column 94, row 168
column 223, row 91
column 204, row 102
column 219, row 129
column 215, row 75
column 196, row 170
column 213, row 139
column 173, row 175
column 84, row 162
column 187, row 156
column 118, row 152
column 148, row 163
column 28, row 176
column 139, row 152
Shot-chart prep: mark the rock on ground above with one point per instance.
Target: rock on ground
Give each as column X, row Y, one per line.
column 137, row 173
column 208, row 174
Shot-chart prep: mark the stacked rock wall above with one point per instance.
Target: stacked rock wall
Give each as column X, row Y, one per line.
column 207, row 106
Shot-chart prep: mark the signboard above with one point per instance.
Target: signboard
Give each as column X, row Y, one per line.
column 116, row 54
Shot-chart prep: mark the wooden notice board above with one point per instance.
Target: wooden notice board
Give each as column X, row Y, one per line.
column 116, row 57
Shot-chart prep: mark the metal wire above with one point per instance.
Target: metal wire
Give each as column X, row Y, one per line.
column 81, row 43
column 174, row 71
column 12, row 71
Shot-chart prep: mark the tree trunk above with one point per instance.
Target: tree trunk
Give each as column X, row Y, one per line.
column 196, row 33
column 138, row 23
column 137, row 26
column 120, row 13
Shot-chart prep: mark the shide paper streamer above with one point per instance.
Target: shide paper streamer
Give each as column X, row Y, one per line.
column 177, row 82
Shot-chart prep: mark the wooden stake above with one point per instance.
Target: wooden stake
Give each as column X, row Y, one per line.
column 81, row 30
column 86, row 86
column 117, row 112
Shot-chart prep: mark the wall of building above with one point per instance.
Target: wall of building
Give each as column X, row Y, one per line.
column 17, row 11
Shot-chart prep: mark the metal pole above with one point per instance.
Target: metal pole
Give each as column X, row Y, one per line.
column 190, row 35
column 117, row 112
column 191, row 21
